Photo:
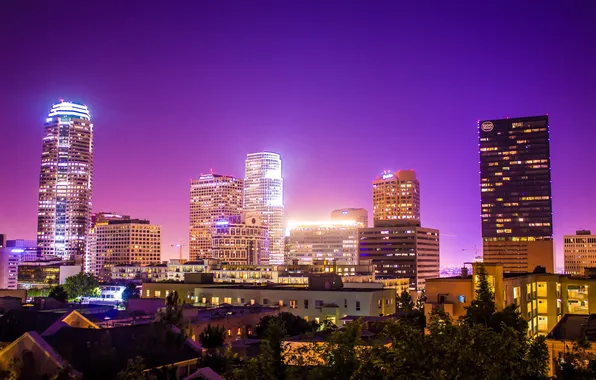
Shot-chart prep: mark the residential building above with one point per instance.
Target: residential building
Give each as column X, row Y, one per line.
column 324, row 297
column 570, row 329
column 541, row 298
column 515, row 188
column 580, row 252
column 263, row 196
column 406, row 251
column 124, row 241
column 213, row 198
column 333, row 241
column 358, row 215
column 66, row 181
column 138, row 273
column 9, row 264
column 396, row 199
column 244, row 242
column 177, row 268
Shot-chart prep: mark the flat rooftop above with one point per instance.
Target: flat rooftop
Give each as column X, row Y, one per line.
column 283, row 287
column 574, row 326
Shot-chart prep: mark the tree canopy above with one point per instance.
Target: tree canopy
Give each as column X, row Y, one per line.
column 212, row 337
column 58, row 293
column 292, row 324
column 81, row 285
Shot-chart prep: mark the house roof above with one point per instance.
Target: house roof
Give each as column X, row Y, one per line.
column 105, row 352
column 15, row 323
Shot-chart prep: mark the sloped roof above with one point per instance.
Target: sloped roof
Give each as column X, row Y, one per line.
column 15, row 323
column 104, row 352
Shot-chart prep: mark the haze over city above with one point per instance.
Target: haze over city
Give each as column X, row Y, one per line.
column 342, row 91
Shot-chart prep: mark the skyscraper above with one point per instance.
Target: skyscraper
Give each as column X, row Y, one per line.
column 515, row 193
column 359, row 215
column 397, row 245
column 396, row 199
column 243, row 242
column 263, row 196
column 66, row 181
column 213, row 198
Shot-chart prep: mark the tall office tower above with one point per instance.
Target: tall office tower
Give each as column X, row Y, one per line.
column 580, row 252
column 333, row 241
column 402, row 251
column 396, row 199
column 358, row 215
column 515, row 193
column 241, row 242
column 94, row 262
column 213, row 197
column 66, row 181
column 263, row 196
column 125, row 241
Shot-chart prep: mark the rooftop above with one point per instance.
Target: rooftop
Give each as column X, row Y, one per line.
column 15, row 323
column 574, row 326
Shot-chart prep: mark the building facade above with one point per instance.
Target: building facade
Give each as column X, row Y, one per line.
column 406, row 251
column 66, row 181
column 541, row 298
column 126, row 241
column 244, row 243
column 263, row 196
column 94, row 262
column 9, row 267
column 358, row 215
column 213, row 198
column 396, row 199
column 333, row 241
column 515, row 193
column 580, row 252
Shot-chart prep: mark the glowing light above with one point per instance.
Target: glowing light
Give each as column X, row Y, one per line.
column 388, row 175
column 323, row 223
column 17, row 250
column 206, row 176
column 70, row 109
column 222, row 223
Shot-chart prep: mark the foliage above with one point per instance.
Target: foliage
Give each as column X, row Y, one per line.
column 212, row 337
column 133, row 371
column 38, row 292
column 172, row 315
column 58, row 293
column 576, row 362
column 81, row 285
column 405, row 302
column 413, row 313
column 292, row 324
column 131, row 291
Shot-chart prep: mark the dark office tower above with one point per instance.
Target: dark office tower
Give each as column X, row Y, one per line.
column 515, row 186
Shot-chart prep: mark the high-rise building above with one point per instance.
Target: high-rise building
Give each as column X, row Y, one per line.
column 124, row 241
column 334, row 241
column 515, row 193
column 213, row 198
column 404, row 251
column 66, row 181
column 242, row 242
column 263, row 196
column 358, row 215
column 9, row 267
column 580, row 252
column 396, row 199
column 94, row 262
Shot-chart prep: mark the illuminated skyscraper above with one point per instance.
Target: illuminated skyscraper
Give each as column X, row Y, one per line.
column 515, row 193
column 66, row 181
column 396, row 199
column 263, row 196
column 213, row 198
column 242, row 242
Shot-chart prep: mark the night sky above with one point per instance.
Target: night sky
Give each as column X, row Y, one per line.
column 342, row 90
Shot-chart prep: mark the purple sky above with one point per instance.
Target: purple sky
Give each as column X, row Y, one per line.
column 342, row 90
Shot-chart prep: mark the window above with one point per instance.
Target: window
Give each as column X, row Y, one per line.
column 158, row 293
column 281, row 302
column 318, row 304
column 358, row 305
column 461, row 299
column 293, row 304
column 228, row 300
column 306, row 304
column 345, row 303
column 265, row 301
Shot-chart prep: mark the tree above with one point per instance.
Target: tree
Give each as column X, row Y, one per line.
column 212, row 337
column 576, row 362
column 133, row 371
column 292, row 324
column 81, row 285
column 131, row 291
column 172, row 315
column 58, row 293
column 405, row 302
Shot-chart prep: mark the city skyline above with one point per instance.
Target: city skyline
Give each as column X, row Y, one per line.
column 338, row 109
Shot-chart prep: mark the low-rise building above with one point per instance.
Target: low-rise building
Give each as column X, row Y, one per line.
column 569, row 330
column 579, row 252
column 325, row 297
column 139, row 272
column 44, row 273
column 541, row 298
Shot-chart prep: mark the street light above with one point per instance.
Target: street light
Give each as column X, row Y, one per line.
column 179, row 246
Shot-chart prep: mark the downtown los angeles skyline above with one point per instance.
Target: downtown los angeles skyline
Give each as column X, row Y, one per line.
column 342, row 91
